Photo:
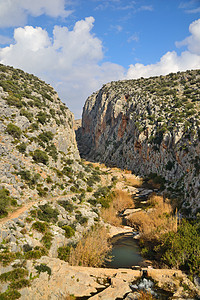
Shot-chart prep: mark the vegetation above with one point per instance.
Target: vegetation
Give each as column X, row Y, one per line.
column 40, row 156
column 91, row 250
column 43, row 268
column 14, row 130
column 5, row 202
column 181, row 249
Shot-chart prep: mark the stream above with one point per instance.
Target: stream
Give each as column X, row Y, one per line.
column 125, row 252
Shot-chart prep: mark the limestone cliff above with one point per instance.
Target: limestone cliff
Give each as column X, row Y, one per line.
column 150, row 126
column 37, row 139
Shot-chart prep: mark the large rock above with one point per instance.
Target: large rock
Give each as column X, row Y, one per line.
column 148, row 126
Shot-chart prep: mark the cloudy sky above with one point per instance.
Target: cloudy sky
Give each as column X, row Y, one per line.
column 78, row 45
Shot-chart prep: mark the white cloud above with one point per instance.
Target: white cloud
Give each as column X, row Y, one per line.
column 70, row 60
column 15, row 12
column 193, row 41
column 171, row 61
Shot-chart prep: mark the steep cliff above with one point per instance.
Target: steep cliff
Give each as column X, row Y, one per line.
column 37, row 139
column 150, row 126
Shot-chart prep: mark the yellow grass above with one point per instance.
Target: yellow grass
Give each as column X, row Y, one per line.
column 121, row 201
column 109, row 216
column 156, row 221
column 91, row 250
column 134, row 181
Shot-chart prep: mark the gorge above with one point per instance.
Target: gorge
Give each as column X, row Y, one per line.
column 57, row 210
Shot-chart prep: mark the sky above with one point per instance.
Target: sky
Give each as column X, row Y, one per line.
column 79, row 45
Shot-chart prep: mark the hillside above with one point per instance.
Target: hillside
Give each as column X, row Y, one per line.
column 37, row 139
column 149, row 126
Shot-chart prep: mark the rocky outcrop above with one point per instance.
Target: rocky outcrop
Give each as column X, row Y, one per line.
column 149, row 126
column 37, row 140
column 99, row 283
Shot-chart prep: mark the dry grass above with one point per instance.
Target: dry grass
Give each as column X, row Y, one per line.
column 92, row 249
column 121, row 201
column 134, row 181
column 109, row 215
column 144, row 295
column 156, row 221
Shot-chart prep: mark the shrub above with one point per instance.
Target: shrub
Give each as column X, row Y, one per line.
column 5, row 201
column 47, row 213
column 40, row 227
column 36, row 253
column 10, row 295
column 64, row 252
column 19, row 284
column 14, row 101
column 7, row 257
column 13, row 275
column 46, row 136
column 40, row 156
column 24, row 112
column 181, row 249
column 47, row 240
column 67, row 205
column 42, row 117
column 43, row 268
column 69, row 231
column 22, row 147
column 13, row 130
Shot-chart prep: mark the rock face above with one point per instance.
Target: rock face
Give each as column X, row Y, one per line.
column 150, row 126
column 36, row 136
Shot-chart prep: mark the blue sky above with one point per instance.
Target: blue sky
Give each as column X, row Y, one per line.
column 78, row 45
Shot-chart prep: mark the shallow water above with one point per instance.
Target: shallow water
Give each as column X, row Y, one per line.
column 125, row 252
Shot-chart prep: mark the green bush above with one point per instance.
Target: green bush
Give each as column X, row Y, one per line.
column 36, row 253
column 19, row 284
column 40, row 156
column 7, row 257
column 13, row 275
column 46, row 136
column 14, row 130
column 40, row 226
column 24, row 112
column 21, row 147
column 43, row 268
column 69, row 231
column 14, row 101
column 181, row 249
column 42, row 117
column 47, row 213
column 5, row 201
column 47, row 240
column 68, row 206
column 64, row 252
column 10, row 295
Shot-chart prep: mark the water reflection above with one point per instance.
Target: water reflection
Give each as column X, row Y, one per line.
column 125, row 252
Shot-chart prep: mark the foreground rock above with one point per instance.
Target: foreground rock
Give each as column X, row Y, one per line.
column 79, row 281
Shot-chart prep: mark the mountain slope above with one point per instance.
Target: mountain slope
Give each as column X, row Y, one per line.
column 37, row 139
column 150, row 126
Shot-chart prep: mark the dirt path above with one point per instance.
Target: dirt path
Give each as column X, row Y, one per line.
column 125, row 181
column 17, row 212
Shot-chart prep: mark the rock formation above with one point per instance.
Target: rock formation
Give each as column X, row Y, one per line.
column 149, row 126
column 37, row 139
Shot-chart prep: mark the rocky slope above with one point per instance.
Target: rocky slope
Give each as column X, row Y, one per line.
column 37, row 139
column 150, row 126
